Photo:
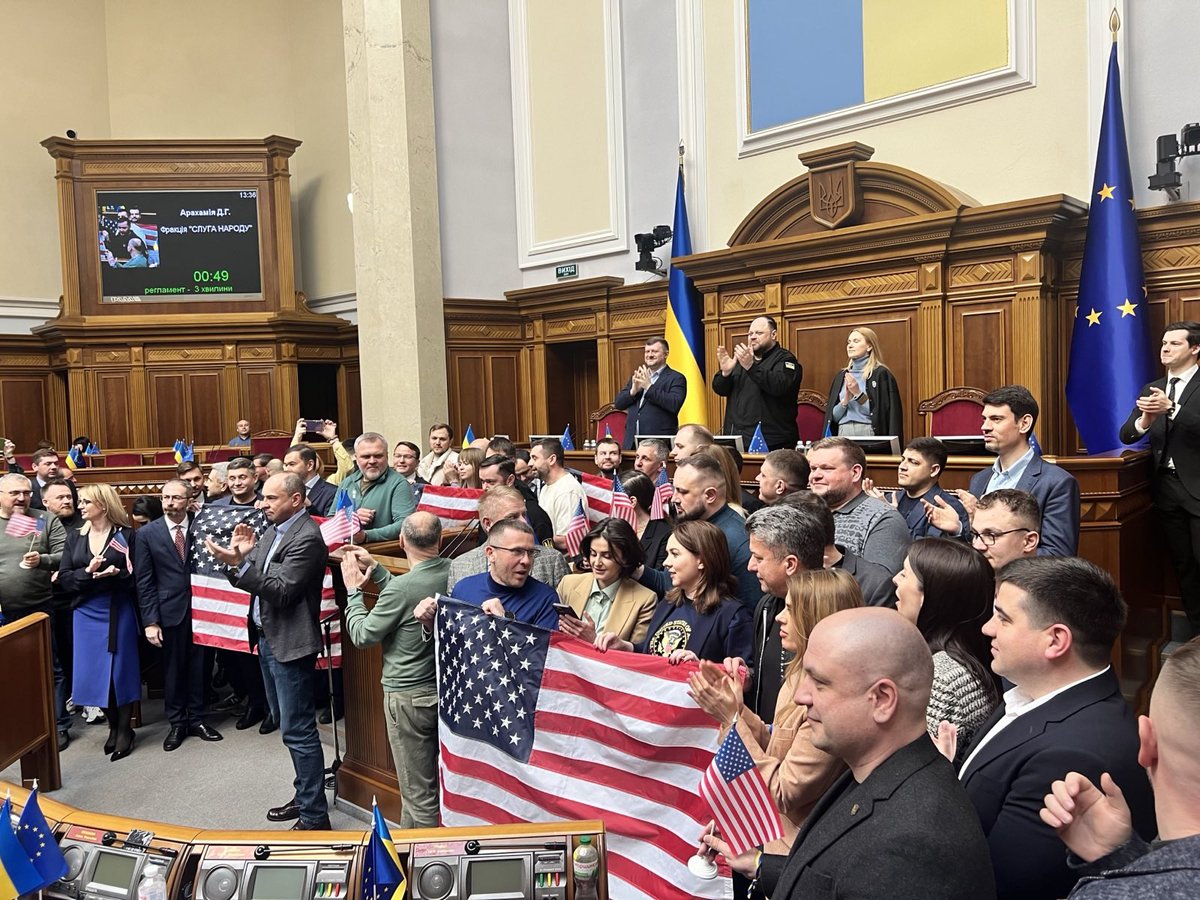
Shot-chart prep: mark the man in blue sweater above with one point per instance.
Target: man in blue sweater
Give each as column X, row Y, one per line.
column 506, row 588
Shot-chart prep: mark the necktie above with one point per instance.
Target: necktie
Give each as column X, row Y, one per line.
column 1171, row 389
column 179, row 548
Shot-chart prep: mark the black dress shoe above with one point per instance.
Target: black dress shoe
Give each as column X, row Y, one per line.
column 251, row 717
column 204, row 732
column 320, row 825
column 174, row 738
column 269, row 724
column 64, row 740
column 285, row 813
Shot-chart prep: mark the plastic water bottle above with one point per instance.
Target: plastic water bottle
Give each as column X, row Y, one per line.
column 585, row 862
column 153, row 885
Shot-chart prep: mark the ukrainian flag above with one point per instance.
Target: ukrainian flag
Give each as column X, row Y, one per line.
column 685, row 329
column 17, row 873
column 74, row 460
column 468, row 437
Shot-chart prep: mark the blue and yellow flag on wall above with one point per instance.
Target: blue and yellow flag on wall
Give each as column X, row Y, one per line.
column 1110, row 341
column 685, row 327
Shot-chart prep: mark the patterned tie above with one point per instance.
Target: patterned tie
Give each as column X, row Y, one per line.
column 179, row 548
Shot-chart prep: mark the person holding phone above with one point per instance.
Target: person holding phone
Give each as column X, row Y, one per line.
column 97, row 571
column 606, row 598
column 701, row 616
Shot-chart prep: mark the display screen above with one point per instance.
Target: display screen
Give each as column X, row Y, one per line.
column 495, row 878
column 114, row 870
column 278, row 883
column 172, row 246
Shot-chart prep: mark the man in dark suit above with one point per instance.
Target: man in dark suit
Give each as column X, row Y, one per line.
column 282, row 573
column 1009, row 414
column 653, row 395
column 302, row 460
column 897, row 824
column 1052, row 631
column 165, row 598
column 1169, row 411
column 46, row 467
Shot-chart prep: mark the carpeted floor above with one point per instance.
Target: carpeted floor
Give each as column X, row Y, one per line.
column 226, row 784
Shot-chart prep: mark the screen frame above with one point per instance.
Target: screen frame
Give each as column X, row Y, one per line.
column 199, row 301
column 464, row 876
column 91, row 886
column 251, row 876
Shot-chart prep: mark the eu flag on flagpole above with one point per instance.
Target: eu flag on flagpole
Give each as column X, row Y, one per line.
column 684, row 329
column 1110, row 358
column 758, row 444
column 565, row 440
column 382, row 877
column 35, row 836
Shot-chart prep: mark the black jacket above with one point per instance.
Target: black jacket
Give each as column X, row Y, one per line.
column 766, row 393
column 1185, row 434
column 908, row 832
column 887, row 415
column 768, row 661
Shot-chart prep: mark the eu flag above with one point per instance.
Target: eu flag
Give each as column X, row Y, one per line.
column 684, row 328
column 33, row 833
column 382, row 877
column 1110, row 359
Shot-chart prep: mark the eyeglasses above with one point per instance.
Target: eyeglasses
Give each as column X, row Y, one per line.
column 518, row 552
column 989, row 538
column 175, row 497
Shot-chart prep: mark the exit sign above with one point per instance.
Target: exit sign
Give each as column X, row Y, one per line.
column 570, row 270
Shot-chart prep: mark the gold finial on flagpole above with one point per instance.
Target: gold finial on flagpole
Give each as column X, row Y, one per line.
column 1114, row 24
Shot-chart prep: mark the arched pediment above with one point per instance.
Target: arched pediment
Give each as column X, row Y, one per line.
column 849, row 190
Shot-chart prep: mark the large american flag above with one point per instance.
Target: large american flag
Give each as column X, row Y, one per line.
column 219, row 610
column 536, row 726
column 743, row 808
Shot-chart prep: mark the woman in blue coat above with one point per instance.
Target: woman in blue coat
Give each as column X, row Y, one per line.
column 97, row 571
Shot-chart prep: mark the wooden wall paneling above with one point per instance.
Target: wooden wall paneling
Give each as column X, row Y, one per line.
column 206, row 408
column 56, row 406
column 561, row 395
column 257, row 398
column 1033, row 330
column 503, row 369
column 1187, row 302
column 470, row 387
column 169, row 419
column 84, row 416
column 350, row 398
column 24, row 417
column 113, row 407
column 979, row 346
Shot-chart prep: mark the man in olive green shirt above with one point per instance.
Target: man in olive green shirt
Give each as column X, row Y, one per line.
column 409, row 672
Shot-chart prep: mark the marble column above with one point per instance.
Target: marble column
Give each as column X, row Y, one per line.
column 397, row 246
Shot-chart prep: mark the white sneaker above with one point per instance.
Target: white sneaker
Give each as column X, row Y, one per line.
column 71, row 706
column 93, row 714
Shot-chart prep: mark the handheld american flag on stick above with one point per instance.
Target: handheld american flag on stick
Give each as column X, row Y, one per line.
column 742, row 806
column 622, row 503
column 536, row 726
column 341, row 527
column 662, row 495
column 21, row 525
column 121, row 545
column 577, row 530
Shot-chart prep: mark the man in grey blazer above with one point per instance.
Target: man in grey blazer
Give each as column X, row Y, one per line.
column 897, row 824
column 282, row 572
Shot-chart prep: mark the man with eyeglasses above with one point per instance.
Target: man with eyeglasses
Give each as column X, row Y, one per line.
column 28, row 557
column 165, row 599
column 1006, row 526
column 500, row 503
column 506, row 588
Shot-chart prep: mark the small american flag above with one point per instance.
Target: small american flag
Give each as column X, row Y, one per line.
column 622, row 503
column 577, row 530
column 340, row 527
column 743, row 809
column 662, row 495
column 21, row 525
column 121, row 545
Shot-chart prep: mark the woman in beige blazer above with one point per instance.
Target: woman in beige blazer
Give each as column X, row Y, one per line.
column 612, row 553
column 795, row 772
